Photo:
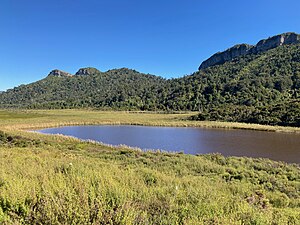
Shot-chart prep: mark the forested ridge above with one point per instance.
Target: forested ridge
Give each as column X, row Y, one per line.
column 119, row 89
column 258, row 88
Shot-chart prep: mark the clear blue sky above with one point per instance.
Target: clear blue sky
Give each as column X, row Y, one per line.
column 169, row 38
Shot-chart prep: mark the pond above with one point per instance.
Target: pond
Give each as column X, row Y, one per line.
column 277, row 146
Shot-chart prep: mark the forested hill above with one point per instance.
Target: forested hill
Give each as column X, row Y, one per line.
column 259, row 87
column 119, row 89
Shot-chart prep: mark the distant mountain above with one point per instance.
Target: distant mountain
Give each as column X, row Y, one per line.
column 257, row 84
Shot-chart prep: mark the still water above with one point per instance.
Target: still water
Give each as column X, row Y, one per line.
column 277, row 146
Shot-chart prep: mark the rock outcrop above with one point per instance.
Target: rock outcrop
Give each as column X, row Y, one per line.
column 59, row 73
column 229, row 54
column 80, row 72
column 244, row 49
column 87, row 71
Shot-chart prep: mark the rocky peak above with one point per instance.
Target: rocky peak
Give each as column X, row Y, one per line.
column 87, row 71
column 244, row 49
column 59, row 73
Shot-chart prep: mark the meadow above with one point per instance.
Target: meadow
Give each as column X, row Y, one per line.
column 52, row 179
column 33, row 119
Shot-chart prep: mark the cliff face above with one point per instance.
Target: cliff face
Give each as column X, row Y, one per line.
column 275, row 41
column 244, row 49
column 229, row 54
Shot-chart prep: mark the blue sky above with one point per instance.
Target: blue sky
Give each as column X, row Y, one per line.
column 169, row 38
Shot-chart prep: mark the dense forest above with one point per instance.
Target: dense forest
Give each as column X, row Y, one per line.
column 258, row 88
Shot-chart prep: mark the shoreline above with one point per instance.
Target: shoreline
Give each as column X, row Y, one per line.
column 39, row 119
column 161, row 150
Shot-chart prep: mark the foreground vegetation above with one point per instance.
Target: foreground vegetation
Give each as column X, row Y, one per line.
column 47, row 179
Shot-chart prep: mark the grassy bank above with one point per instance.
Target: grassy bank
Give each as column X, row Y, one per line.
column 31, row 119
column 58, row 180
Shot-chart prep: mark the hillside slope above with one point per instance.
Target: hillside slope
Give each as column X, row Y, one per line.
column 261, row 88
